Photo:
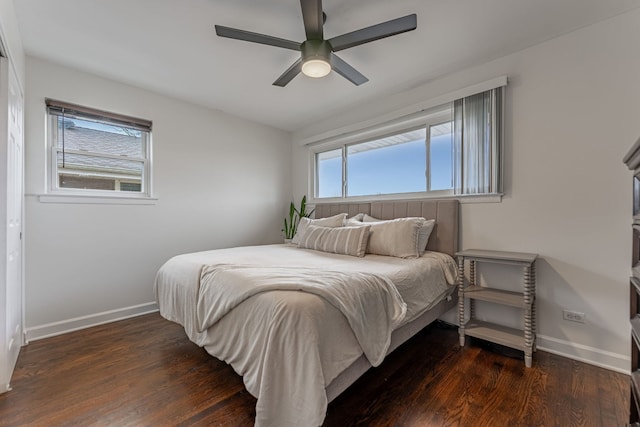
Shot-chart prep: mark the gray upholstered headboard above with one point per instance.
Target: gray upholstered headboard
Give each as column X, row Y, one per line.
column 444, row 237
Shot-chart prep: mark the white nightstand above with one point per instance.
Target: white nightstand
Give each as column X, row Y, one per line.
column 510, row 337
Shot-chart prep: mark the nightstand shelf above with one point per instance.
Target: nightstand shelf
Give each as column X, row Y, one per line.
column 515, row 338
column 493, row 332
column 498, row 296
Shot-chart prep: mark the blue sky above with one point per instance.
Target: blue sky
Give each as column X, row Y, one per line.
column 392, row 169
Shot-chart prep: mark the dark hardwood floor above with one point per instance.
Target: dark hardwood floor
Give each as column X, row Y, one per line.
column 145, row 372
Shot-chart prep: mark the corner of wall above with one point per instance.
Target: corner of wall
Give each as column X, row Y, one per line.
column 11, row 40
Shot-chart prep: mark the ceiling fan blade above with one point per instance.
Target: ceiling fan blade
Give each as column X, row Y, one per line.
column 347, row 71
column 312, row 17
column 248, row 36
column 288, row 75
column 374, row 32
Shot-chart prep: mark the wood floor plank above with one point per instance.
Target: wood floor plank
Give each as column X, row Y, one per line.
column 145, row 372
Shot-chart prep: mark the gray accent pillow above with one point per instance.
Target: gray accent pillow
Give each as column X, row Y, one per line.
column 337, row 240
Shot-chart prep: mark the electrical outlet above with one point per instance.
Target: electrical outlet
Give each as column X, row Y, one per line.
column 574, row 316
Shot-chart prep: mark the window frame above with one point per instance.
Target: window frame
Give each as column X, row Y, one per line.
column 432, row 117
column 57, row 194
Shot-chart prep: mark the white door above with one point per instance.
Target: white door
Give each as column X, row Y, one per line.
column 11, row 166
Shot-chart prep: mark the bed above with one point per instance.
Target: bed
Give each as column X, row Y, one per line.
column 266, row 312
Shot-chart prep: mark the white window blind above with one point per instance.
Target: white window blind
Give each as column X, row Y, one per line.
column 477, row 129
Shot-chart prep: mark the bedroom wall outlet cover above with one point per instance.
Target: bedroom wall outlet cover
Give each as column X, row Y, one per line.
column 574, row 316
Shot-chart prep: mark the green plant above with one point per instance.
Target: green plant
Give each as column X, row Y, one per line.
column 291, row 226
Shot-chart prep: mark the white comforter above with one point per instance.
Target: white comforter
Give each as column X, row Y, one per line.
column 289, row 346
column 371, row 303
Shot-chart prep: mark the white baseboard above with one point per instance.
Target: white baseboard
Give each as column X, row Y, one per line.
column 83, row 322
column 591, row 355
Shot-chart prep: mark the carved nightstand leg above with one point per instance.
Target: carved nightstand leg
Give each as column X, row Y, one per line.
column 472, row 273
column 534, row 326
column 529, row 317
column 460, row 284
column 472, row 282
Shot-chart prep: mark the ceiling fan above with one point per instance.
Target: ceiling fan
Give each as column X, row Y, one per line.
column 317, row 54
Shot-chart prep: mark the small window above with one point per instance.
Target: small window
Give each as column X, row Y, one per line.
column 95, row 153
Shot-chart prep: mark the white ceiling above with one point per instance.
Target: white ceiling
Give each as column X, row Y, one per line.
column 170, row 46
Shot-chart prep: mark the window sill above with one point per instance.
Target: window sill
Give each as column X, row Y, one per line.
column 484, row 198
column 463, row 199
column 95, row 200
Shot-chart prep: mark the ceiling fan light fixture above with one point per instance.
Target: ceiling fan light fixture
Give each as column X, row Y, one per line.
column 315, row 58
column 316, row 68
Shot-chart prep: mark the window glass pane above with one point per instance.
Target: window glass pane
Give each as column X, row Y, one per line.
column 93, row 172
column 130, row 186
column 85, row 182
column 441, row 156
column 394, row 164
column 329, row 179
column 86, row 135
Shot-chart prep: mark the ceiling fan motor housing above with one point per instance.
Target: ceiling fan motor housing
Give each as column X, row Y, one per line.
column 315, row 49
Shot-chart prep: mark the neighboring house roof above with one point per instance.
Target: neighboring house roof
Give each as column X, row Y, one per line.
column 99, row 141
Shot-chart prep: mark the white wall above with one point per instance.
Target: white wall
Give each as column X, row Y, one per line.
column 10, row 36
column 221, row 181
column 572, row 114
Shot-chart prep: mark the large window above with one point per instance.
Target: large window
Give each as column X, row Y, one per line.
column 414, row 160
column 454, row 150
column 96, row 153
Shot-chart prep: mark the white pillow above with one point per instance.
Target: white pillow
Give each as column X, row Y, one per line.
column 369, row 218
column 354, row 220
column 402, row 237
column 332, row 221
column 425, row 233
column 338, row 240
